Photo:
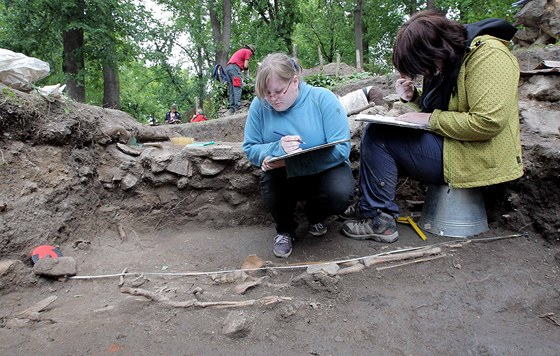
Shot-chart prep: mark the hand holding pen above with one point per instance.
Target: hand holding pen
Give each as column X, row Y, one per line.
column 290, row 143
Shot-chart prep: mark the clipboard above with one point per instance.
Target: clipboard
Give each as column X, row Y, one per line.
column 388, row 120
column 315, row 148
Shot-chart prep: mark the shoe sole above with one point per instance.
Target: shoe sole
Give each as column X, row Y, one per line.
column 317, row 233
column 343, row 217
column 285, row 255
column 375, row 237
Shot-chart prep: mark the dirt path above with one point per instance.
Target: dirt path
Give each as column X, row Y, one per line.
column 482, row 299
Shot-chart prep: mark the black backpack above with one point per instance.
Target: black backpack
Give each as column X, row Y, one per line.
column 219, row 73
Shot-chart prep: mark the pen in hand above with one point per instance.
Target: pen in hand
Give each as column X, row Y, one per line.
column 281, row 134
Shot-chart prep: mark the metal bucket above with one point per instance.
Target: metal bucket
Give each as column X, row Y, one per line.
column 453, row 212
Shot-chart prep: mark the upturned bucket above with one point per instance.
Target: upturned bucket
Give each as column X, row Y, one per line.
column 453, row 212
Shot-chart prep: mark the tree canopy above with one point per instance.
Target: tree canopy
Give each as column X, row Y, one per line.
column 122, row 54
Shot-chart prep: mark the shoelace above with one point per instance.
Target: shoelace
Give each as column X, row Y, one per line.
column 281, row 239
column 374, row 221
column 352, row 211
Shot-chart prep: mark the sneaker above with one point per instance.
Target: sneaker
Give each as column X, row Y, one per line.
column 317, row 229
column 282, row 245
column 351, row 213
column 382, row 228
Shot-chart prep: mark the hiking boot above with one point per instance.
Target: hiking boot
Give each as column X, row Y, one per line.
column 317, row 229
column 351, row 213
column 282, row 245
column 382, row 228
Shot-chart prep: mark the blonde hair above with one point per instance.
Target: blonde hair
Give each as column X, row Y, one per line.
column 277, row 65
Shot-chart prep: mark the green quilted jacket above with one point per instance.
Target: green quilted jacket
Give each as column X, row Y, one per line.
column 481, row 127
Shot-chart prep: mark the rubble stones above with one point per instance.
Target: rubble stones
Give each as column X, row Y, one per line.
column 55, row 267
column 542, row 88
column 234, row 198
column 5, row 265
column 210, row 168
column 540, row 23
column 236, row 325
column 329, row 268
column 128, row 182
column 128, row 150
column 180, row 165
column 541, row 121
column 156, row 160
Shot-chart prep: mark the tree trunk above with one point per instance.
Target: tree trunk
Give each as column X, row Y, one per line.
column 358, row 37
column 431, row 4
column 221, row 30
column 111, row 86
column 110, row 63
column 73, row 64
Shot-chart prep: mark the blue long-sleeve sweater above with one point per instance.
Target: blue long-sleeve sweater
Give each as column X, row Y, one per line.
column 317, row 116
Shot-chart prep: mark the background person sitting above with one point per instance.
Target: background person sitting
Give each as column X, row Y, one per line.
column 362, row 98
column 172, row 116
column 198, row 117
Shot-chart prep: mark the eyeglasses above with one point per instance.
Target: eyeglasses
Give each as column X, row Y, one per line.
column 282, row 92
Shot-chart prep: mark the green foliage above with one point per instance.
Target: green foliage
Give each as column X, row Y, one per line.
column 169, row 61
column 330, row 81
column 382, row 20
column 321, row 80
column 326, row 26
column 217, row 98
column 467, row 11
column 30, row 27
column 9, row 92
column 147, row 91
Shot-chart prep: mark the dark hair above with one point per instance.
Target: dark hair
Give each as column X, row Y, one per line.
column 427, row 39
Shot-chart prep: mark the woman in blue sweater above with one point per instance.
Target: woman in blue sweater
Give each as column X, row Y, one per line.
column 286, row 116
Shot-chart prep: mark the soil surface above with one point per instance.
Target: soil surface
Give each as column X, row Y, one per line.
column 493, row 298
column 181, row 293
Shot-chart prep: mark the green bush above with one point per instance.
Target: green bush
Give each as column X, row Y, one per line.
column 331, row 81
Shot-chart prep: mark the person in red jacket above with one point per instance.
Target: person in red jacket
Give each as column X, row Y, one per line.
column 198, row 117
column 238, row 62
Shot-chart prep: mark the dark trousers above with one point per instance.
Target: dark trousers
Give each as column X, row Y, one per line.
column 388, row 152
column 327, row 193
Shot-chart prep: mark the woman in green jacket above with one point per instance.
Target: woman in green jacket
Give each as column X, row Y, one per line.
column 468, row 100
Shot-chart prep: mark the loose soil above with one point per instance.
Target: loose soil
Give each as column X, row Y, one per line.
column 479, row 298
column 491, row 298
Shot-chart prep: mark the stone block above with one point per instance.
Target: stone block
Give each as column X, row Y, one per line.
column 180, row 165
column 55, row 267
